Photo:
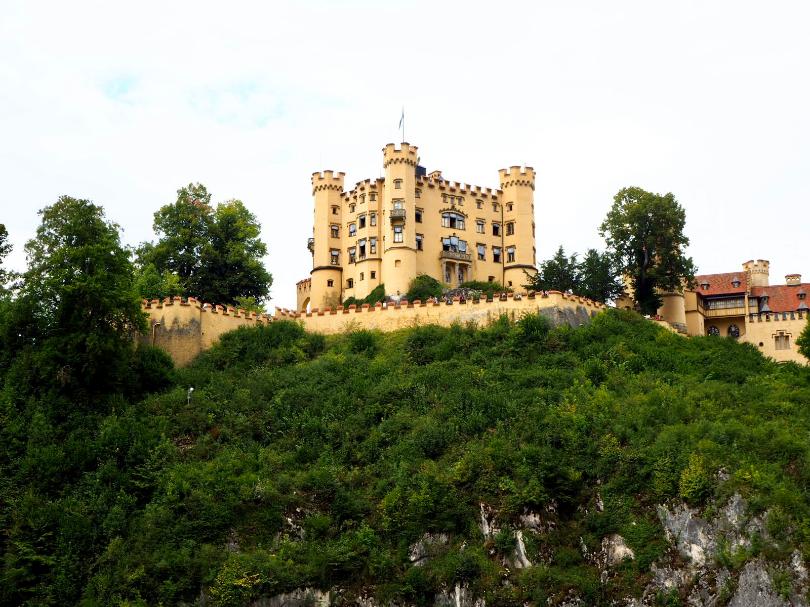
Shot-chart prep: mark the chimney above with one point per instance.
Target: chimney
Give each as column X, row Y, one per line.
column 793, row 280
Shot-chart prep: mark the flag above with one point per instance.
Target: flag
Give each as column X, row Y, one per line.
column 402, row 118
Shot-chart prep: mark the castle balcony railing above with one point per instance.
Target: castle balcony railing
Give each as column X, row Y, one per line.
column 397, row 215
column 715, row 312
column 311, row 245
column 455, row 255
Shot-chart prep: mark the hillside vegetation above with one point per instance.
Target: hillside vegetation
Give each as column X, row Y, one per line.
column 300, row 461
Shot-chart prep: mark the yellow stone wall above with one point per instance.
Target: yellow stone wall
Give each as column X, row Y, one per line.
column 395, row 264
column 570, row 308
column 764, row 328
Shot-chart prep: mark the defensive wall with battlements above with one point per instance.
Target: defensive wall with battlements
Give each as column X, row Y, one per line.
column 184, row 328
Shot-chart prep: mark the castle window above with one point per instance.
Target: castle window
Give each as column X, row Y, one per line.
column 330, row 283
column 479, row 204
column 351, row 208
column 453, row 243
column 398, row 236
column 510, row 254
column 372, row 219
column 372, row 196
column 460, row 200
column 496, row 229
column 362, row 221
column 361, row 245
column 397, row 184
column 510, row 228
column 733, row 331
column 372, row 246
column 495, row 207
column 417, row 193
column 398, row 203
column 373, row 274
column 712, row 330
column 508, row 206
column 362, row 199
column 482, row 252
column 453, row 220
column 479, row 226
column 334, row 210
column 496, row 254
column 352, row 229
column 781, row 341
column 335, row 231
column 334, row 257
column 362, row 276
column 419, row 239
column 350, row 283
column 418, row 216
column 352, row 255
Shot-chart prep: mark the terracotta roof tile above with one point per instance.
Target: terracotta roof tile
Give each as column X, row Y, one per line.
column 782, row 298
column 721, row 284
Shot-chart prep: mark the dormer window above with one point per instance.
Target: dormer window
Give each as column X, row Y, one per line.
column 735, row 282
column 704, row 285
column 801, row 294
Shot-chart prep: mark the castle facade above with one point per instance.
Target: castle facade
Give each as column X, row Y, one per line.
column 411, row 221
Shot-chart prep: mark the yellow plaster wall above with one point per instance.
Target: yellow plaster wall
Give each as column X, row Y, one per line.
column 763, row 329
column 412, row 314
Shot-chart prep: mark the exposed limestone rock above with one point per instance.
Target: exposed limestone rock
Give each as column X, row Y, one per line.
column 460, row 596
column 487, row 522
column 614, row 551
column 420, row 551
column 693, row 536
column 754, row 589
column 303, row 597
column 520, row 560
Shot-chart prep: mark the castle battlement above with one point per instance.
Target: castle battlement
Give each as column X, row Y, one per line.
column 405, row 154
column 517, row 175
column 327, row 180
column 462, row 188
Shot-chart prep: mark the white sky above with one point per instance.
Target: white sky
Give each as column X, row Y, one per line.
column 124, row 103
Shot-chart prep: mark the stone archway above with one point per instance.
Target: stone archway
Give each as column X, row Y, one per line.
column 305, row 305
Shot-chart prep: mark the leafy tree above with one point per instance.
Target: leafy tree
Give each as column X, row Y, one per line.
column 80, row 290
column 215, row 253
column 559, row 273
column 152, row 284
column 5, row 249
column 598, row 278
column 803, row 341
column 377, row 294
column 644, row 233
column 423, row 287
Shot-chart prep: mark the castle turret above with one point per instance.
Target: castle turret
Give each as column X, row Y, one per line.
column 327, row 256
column 517, row 184
column 398, row 213
column 758, row 272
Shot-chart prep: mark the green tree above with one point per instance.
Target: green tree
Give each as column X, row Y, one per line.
column 560, row 273
column 152, row 284
column 644, row 233
column 5, row 249
column 598, row 278
column 80, row 292
column 803, row 341
column 215, row 253
column 423, row 287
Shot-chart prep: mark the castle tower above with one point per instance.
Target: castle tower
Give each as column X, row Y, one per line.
column 398, row 216
column 517, row 206
column 758, row 272
column 327, row 249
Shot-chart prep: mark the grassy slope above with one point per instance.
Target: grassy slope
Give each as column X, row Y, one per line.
column 367, row 441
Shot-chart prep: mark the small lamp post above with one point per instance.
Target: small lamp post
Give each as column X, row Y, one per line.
column 188, row 395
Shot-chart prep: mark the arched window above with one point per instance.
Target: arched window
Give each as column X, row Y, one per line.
column 712, row 330
column 453, row 220
column 733, row 331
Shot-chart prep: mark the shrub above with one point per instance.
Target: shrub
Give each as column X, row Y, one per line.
column 423, row 287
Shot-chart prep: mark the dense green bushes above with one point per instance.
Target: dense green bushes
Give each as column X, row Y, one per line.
column 303, row 461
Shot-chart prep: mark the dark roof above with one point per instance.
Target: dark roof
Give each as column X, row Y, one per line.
column 721, row 284
column 781, row 298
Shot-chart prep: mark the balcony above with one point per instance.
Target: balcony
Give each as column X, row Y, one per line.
column 456, row 256
column 311, row 245
column 397, row 215
column 716, row 312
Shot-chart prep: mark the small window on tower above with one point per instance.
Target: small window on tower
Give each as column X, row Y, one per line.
column 417, row 193
column 496, row 229
column 372, row 219
column 419, row 239
column 352, row 229
column 362, row 276
column 349, row 283
column 372, row 196
column 496, row 254
column 510, row 254
column 334, row 257
column 510, row 228
column 418, row 216
column 373, row 274
column 495, row 207
column 508, row 206
column 351, row 208
column 482, row 252
column 362, row 221
column 335, row 231
column 372, row 246
column 397, row 184
column 334, row 210
column 330, row 283
column 479, row 226
column 398, row 234
column 479, row 204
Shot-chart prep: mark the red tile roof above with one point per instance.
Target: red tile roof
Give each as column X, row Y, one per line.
column 782, row 298
column 720, row 284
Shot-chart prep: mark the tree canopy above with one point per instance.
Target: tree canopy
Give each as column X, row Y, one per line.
column 215, row 252
column 594, row 277
column 423, row 287
column 645, row 237
column 5, row 249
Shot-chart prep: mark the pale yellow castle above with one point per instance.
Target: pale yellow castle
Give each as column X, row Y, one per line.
column 745, row 306
column 411, row 221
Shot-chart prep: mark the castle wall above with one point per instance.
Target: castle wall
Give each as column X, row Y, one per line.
column 763, row 329
column 558, row 307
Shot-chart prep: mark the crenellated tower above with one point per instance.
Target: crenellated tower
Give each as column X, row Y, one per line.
column 326, row 247
column 758, row 272
column 398, row 215
column 517, row 206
